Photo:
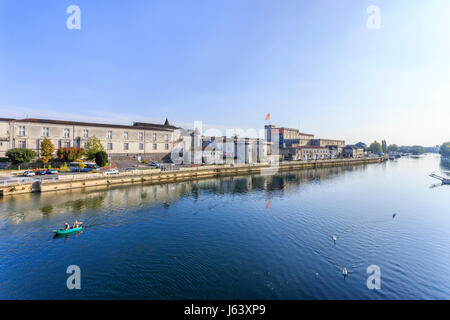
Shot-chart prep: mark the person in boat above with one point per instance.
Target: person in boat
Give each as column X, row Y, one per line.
column 66, row 226
column 76, row 224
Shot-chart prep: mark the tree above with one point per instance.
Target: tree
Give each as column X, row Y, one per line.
column 18, row 156
column 444, row 150
column 70, row 154
column 93, row 146
column 375, row 147
column 101, row 158
column 393, row 148
column 47, row 149
column 416, row 150
column 384, row 146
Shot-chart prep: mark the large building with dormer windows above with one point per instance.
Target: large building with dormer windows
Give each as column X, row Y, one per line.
column 150, row 141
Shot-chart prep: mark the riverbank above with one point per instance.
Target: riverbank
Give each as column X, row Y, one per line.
column 67, row 182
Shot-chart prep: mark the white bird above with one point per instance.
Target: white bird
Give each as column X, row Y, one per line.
column 334, row 239
column 345, row 272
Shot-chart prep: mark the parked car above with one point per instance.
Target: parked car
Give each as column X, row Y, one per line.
column 154, row 164
column 111, row 171
column 41, row 172
column 29, row 174
column 130, row 169
column 52, row 171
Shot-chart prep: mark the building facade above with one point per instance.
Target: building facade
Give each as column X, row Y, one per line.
column 352, row 151
column 286, row 137
column 145, row 140
column 306, row 153
column 327, row 143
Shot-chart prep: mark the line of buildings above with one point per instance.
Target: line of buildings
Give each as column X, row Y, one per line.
column 168, row 143
column 296, row 145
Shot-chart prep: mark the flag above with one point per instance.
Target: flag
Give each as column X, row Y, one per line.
column 268, row 116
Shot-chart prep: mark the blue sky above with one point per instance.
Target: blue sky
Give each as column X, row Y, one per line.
column 313, row 65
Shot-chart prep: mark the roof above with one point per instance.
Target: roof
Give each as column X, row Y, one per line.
column 136, row 125
column 306, row 147
column 301, row 133
column 352, row 147
column 6, row 119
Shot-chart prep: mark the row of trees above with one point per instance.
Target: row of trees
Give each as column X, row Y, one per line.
column 93, row 151
column 376, row 147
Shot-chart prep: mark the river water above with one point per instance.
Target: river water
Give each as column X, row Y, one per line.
column 250, row 237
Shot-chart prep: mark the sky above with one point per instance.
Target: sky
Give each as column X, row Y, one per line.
column 313, row 65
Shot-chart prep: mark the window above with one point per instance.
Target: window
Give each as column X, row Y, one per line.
column 86, row 133
column 155, row 146
column 109, row 146
column 22, row 144
column 66, row 133
column 125, row 135
column 22, row 131
column 109, row 134
column 166, row 137
column 167, row 146
column 141, row 146
column 45, row 132
column 125, row 146
column 67, row 144
column 141, row 136
column 154, row 136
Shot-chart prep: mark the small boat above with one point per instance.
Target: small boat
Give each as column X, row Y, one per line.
column 69, row 231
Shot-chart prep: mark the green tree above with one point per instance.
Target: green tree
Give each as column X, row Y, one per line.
column 375, row 147
column 393, row 148
column 384, row 146
column 416, row 150
column 70, row 154
column 101, row 158
column 93, row 146
column 18, row 156
column 445, row 149
column 47, row 149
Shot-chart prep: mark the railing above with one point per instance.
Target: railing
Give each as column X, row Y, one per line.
column 102, row 175
column 16, row 181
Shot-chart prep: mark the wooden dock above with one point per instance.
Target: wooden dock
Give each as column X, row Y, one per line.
column 444, row 180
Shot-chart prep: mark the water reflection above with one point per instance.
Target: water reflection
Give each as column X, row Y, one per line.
column 29, row 207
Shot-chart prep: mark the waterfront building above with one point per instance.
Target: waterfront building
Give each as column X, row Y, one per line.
column 306, row 153
column 286, row 137
column 353, row 151
column 361, row 145
column 150, row 141
column 236, row 149
column 327, row 142
column 295, row 145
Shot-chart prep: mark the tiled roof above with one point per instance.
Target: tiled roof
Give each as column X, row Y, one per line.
column 137, row 125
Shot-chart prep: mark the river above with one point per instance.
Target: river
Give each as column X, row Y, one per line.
column 249, row 237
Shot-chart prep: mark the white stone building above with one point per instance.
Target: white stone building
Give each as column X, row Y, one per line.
column 149, row 141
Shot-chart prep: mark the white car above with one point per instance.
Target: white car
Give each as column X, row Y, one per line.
column 111, row 171
column 29, row 174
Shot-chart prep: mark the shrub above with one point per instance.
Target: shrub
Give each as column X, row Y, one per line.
column 70, row 154
column 64, row 167
column 93, row 146
column 101, row 158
